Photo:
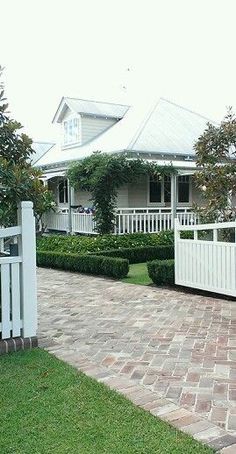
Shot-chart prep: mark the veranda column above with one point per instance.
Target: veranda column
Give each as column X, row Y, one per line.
column 173, row 199
column 69, row 207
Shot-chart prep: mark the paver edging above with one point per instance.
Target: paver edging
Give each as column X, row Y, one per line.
column 199, row 428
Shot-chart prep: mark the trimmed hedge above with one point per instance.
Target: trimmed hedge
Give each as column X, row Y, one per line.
column 90, row 264
column 83, row 244
column 162, row 272
column 140, row 254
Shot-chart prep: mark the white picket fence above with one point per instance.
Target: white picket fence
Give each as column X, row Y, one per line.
column 206, row 264
column 18, row 300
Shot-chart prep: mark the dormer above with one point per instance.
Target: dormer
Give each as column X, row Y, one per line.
column 83, row 120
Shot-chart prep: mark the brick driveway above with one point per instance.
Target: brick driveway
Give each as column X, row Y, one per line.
column 168, row 351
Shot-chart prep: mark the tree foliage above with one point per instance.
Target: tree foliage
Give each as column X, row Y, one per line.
column 103, row 175
column 216, row 155
column 18, row 179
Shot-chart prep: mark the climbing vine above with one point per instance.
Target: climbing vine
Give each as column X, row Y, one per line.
column 103, row 174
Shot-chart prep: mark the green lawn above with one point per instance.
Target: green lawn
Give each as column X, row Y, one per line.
column 47, row 407
column 138, row 274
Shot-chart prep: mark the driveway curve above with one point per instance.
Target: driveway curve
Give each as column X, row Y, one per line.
column 179, row 346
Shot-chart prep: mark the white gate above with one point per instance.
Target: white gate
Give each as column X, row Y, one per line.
column 18, row 301
column 207, row 264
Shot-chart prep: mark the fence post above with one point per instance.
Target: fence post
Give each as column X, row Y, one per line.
column 27, row 250
column 173, row 199
column 176, row 239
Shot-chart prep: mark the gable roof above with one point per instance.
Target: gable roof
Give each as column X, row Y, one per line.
column 40, row 148
column 89, row 107
column 165, row 129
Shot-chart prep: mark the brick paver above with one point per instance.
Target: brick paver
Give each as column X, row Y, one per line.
column 168, row 351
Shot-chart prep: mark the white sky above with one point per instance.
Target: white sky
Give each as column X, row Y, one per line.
column 183, row 50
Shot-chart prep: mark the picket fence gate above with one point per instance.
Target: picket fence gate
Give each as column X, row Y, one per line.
column 206, row 264
column 18, row 299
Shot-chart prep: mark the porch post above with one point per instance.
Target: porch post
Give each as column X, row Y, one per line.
column 173, row 199
column 69, row 208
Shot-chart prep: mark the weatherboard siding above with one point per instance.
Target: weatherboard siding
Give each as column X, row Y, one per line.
column 138, row 194
column 91, row 127
column 83, row 198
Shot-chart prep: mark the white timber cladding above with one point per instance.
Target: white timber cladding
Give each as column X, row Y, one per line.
column 134, row 195
column 91, row 126
column 84, row 198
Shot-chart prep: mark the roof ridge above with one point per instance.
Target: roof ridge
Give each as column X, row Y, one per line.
column 143, row 124
column 186, row 108
column 100, row 102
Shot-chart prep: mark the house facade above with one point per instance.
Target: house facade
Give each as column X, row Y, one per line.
column 164, row 133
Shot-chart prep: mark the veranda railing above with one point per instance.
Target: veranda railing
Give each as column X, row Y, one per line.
column 128, row 220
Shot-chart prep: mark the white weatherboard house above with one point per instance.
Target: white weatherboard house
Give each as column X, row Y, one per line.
column 164, row 133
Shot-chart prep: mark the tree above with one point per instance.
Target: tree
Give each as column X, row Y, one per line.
column 216, row 155
column 18, row 179
column 102, row 174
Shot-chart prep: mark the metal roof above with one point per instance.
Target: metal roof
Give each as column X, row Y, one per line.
column 40, row 148
column 165, row 129
column 89, row 107
column 170, row 129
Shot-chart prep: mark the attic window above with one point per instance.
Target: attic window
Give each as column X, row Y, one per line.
column 71, row 131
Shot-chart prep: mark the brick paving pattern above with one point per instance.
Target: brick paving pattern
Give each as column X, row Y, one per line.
column 173, row 353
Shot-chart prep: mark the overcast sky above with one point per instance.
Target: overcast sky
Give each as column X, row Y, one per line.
column 116, row 50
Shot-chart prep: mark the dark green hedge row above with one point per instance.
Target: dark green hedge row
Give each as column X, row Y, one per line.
column 90, row 264
column 140, row 254
column 162, row 272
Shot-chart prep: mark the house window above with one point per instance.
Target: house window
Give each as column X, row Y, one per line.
column 155, row 190
column 63, row 191
column 160, row 190
column 167, row 189
column 71, row 131
column 183, row 189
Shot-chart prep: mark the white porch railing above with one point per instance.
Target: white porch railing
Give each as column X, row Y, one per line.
column 18, row 303
column 150, row 220
column 128, row 220
column 206, row 264
column 83, row 223
column 56, row 221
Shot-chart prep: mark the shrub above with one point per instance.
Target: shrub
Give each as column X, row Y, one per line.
column 140, row 254
column 82, row 244
column 162, row 272
column 91, row 264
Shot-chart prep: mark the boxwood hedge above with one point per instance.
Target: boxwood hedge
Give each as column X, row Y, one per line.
column 90, row 264
column 162, row 272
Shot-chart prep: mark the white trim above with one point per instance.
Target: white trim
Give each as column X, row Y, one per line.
column 48, row 176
